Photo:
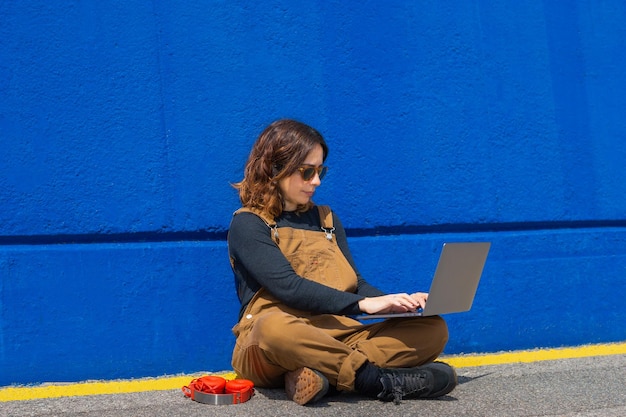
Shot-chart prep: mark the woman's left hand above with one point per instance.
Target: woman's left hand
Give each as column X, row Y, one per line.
column 420, row 298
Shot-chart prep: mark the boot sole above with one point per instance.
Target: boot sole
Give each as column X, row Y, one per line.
column 305, row 385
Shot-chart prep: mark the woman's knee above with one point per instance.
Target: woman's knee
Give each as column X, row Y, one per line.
column 429, row 336
column 440, row 327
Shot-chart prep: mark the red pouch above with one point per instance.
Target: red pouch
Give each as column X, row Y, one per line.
column 208, row 384
column 238, row 385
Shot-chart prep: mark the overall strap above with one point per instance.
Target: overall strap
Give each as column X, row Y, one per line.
column 326, row 219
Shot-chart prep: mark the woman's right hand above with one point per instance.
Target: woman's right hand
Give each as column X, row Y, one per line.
column 391, row 303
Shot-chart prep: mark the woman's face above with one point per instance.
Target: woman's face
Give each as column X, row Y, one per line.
column 296, row 190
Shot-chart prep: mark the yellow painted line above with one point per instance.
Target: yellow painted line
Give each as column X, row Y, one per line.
column 525, row 356
column 22, row 393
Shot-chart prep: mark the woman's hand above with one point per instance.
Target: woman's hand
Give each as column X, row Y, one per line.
column 393, row 303
column 420, row 298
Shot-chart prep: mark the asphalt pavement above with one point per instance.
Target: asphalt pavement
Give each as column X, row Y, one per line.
column 589, row 387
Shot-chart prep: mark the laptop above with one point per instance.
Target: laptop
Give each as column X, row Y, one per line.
column 455, row 282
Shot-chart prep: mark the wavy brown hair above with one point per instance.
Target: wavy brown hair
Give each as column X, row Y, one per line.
column 277, row 153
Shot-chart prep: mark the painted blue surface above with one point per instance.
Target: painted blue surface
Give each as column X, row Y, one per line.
column 122, row 127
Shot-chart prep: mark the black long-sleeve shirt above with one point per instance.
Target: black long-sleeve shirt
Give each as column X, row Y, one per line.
column 258, row 262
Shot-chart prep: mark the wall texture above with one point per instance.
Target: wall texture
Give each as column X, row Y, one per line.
column 123, row 124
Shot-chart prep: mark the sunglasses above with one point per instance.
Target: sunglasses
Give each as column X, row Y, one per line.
column 308, row 172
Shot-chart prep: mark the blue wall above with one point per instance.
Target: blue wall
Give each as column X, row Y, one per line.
column 122, row 126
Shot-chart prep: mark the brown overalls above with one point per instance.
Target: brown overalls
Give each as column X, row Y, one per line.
column 273, row 339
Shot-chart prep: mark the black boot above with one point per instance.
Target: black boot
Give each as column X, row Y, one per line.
column 427, row 381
